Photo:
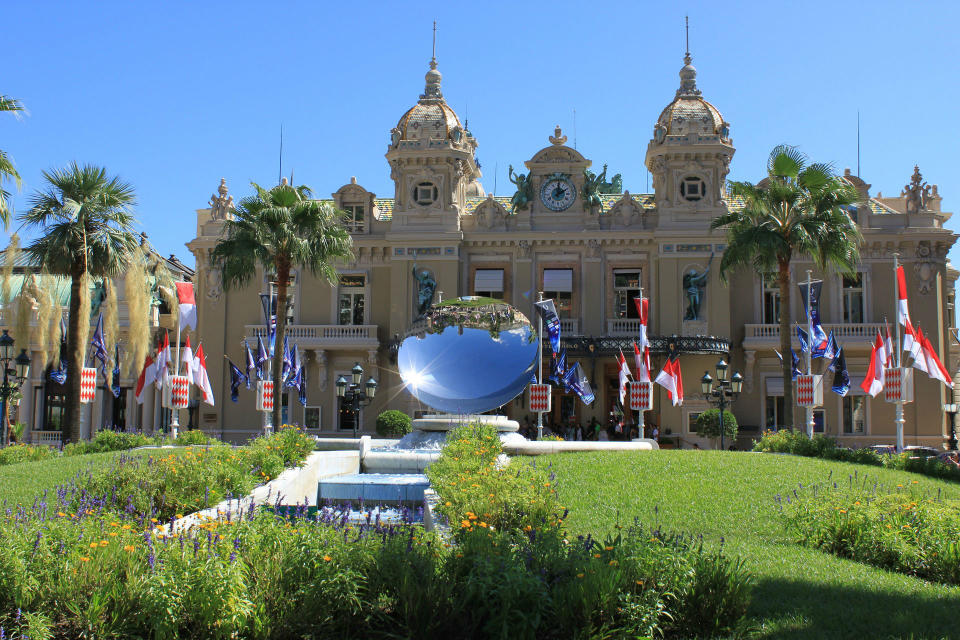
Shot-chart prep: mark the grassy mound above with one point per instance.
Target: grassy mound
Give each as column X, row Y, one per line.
column 730, row 499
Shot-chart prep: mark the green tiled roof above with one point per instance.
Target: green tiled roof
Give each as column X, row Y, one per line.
column 473, row 203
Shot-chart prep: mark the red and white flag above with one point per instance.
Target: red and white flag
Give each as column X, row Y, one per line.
column 186, row 358
column 188, row 305
column 873, row 381
column 887, row 347
column 903, row 312
column 642, row 363
column 671, row 379
column 643, row 312
column 200, row 376
column 624, row 375
column 916, row 350
column 163, row 361
column 935, row 368
column 148, row 375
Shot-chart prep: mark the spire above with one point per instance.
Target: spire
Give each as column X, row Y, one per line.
column 688, row 74
column 433, row 77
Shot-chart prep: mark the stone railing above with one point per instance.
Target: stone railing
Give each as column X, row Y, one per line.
column 623, row 327
column 569, row 327
column 324, row 335
column 46, row 438
column 853, row 332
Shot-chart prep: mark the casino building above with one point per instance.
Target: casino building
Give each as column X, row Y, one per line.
column 590, row 246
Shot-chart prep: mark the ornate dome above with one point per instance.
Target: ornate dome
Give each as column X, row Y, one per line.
column 689, row 113
column 430, row 118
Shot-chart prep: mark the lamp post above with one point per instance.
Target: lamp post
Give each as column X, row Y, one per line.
column 13, row 378
column 352, row 397
column 724, row 392
column 951, row 409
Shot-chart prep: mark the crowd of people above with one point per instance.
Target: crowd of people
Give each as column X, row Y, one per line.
column 574, row 430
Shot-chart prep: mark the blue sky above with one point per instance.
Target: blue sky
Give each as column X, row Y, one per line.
column 173, row 96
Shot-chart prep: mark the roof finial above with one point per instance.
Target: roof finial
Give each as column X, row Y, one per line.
column 433, row 57
column 433, row 77
column 688, row 74
column 686, row 58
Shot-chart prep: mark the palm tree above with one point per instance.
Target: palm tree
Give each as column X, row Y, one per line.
column 799, row 209
column 86, row 231
column 7, row 170
column 282, row 229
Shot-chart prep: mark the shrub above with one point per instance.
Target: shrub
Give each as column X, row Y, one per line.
column 195, row 437
column 393, row 424
column 16, row 431
column 108, row 440
column 708, row 424
column 24, row 453
column 899, row 530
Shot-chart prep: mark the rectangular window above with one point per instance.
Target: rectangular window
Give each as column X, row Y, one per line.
column 355, row 220
column 819, row 421
column 853, row 298
column 488, row 283
column 558, row 286
column 350, row 303
column 854, row 414
column 626, row 287
column 692, row 422
column 118, row 411
column 774, row 412
column 285, row 408
column 291, row 296
column 771, row 300
column 311, row 418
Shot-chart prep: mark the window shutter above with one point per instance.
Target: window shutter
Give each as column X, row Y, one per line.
column 488, row 280
column 560, row 280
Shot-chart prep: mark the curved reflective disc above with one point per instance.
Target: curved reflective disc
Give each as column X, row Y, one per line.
column 468, row 355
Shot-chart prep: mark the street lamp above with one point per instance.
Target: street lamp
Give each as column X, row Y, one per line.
column 352, row 397
column 951, row 409
column 13, row 378
column 724, row 392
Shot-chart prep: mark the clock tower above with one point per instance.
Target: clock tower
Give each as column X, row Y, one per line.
column 556, row 183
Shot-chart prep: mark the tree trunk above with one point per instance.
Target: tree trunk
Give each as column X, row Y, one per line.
column 283, row 277
column 783, row 277
column 75, row 351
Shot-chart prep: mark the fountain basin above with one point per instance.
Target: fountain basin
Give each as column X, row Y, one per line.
column 374, row 488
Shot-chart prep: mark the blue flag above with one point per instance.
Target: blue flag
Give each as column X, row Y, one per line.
column 59, row 376
column 841, row 380
column 237, row 377
column 804, row 343
column 115, row 387
column 819, row 338
column 552, row 321
column 100, row 353
column 287, row 369
column 262, row 358
column 831, row 350
column 251, row 363
column 302, row 387
column 794, row 363
column 577, row 380
column 270, row 321
column 558, row 368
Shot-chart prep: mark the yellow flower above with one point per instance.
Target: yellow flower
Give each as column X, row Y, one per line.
column 93, row 545
column 613, row 563
column 61, row 514
column 327, row 558
column 483, row 524
column 464, row 524
column 113, row 534
column 449, row 504
column 843, row 510
column 546, row 484
column 104, row 543
column 125, row 527
column 609, row 548
column 154, row 520
column 579, row 575
column 84, row 559
column 639, row 583
column 596, row 555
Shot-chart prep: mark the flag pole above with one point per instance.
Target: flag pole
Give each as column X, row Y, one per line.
column 896, row 357
column 640, row 422
column 540, row 363
column 809, row 410
column 174, row 412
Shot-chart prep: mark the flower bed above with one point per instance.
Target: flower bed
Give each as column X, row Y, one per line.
column 797, row 443
column 899, row 529
column 103, row 442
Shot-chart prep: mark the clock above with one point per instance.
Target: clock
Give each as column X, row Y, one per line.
column 557, row 192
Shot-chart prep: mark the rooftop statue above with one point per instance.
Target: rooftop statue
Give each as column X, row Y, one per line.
column 426, row 286
column 693, row 285
column 524, row 194
column 917, row 193
column 592, row 188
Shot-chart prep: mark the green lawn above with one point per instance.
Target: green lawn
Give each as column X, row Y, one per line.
column 21, row 483
column 800, row 593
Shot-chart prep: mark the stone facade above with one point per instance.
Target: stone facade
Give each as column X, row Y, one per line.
column 563, row 235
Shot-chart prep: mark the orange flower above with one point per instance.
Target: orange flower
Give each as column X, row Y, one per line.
column 579, row 575
column 93, row 545
column 84, row 559
column 128, row 547
column 327, row 558
column 113, row 534
column 609, row 548
column 596, row 555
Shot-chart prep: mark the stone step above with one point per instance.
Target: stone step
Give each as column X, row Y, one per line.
column 374, row 488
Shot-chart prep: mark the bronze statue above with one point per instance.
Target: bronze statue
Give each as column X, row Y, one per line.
column 524, row 194
column 693, row 284
column 591, row 188
column 426, row 286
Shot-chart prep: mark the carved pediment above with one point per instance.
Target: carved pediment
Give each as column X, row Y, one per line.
column 626, row 210
column 490, row 214
column 558, row 154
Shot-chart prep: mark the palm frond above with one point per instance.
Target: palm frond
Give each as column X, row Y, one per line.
column 786, row 161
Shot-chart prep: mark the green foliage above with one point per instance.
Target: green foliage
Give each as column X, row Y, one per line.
column 903, row 530
column 195, row 437
column 708, row 424
column 8, row 171
column 393, row 423
column 16, row 431
column 107, row 440
column 799, row 209
column 24, row 453
column 820, row 446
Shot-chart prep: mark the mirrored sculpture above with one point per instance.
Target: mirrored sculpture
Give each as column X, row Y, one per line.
column 468, row 355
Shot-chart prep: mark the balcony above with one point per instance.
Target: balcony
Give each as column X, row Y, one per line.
column 569, row 327
column 850, row 336
column 324, row 336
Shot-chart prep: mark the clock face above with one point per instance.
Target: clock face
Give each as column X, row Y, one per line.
column 558, row 194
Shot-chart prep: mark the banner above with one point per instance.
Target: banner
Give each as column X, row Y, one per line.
column 551, row 322
column 818, row 341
